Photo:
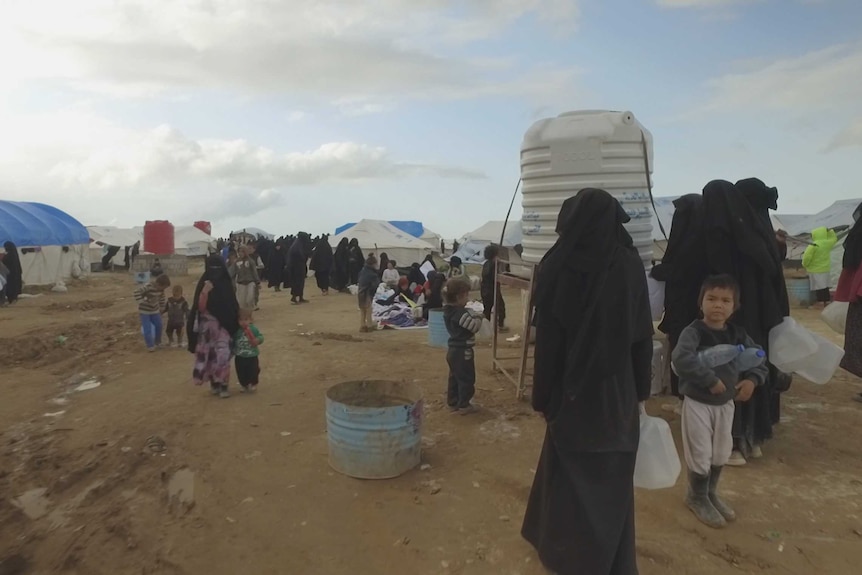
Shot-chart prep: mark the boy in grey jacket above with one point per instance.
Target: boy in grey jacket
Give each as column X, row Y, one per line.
column 710, row 393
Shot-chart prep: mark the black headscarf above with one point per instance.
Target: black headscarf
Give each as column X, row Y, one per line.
column 572, row 288
column 221, row 302
column 853, row 243
column 384, row 264
column 415, row 275
column 762, row 198
column 322, row 257
column 15, row 280
column 683, row 267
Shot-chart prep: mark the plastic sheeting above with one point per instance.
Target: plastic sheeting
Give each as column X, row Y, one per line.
column 30, row 224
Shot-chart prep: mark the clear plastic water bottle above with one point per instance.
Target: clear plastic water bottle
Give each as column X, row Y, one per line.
column 749, row 358
column 719, row 354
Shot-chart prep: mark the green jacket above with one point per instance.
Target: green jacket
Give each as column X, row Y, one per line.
column 817, row 258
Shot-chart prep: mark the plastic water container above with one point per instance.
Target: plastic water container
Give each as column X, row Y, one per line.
column 584, row 149
column 657, row 465
column 789, row 342
column 438, row 335
column 820, row 366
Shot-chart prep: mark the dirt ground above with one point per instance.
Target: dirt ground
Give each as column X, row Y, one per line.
column 147, row 473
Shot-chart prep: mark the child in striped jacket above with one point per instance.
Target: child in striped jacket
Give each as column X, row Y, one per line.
column 151, row 306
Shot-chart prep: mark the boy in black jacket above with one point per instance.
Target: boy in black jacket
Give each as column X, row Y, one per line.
column 462, row 326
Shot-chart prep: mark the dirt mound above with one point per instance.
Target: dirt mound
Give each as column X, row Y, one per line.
column 85, row 305
column 80, row 340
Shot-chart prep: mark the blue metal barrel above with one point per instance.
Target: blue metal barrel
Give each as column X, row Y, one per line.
column 374, row 428
column 438, row 335
column 799, row 291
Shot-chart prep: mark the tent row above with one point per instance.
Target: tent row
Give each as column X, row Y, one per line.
column 188, row 241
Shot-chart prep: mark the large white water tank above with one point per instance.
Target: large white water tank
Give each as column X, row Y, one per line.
column 584, row 149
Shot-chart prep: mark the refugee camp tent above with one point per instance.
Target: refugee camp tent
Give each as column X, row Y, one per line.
column 412, row 227
column 377, row 236
column 472, row 245
column 51, row 243
column 188, row 241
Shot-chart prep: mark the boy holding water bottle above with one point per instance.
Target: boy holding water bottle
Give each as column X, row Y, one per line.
column 711, row 386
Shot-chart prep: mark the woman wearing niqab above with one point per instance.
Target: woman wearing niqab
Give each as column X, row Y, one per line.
column 213, row 320
column 592, row 368
column 275, row 266
column 738, row 244
column 297, row 268
column 321, row 263
column 340, row 266
column 355, row 261
column 15, row 276
column 683, row 269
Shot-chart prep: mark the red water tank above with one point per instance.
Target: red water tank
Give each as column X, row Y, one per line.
column 205, row 227
column 159, row 238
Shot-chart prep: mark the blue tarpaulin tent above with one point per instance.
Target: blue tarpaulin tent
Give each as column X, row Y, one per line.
column 415, row 229
column 52, row 244
column 31, row 224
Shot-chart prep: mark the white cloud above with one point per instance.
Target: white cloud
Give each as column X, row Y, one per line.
column 93, row 160
column 337, row 50
column 846, row 138
column 819, row 80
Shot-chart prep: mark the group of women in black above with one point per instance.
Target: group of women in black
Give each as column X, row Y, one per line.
column 594, row 349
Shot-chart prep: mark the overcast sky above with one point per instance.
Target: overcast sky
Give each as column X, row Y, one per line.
column 306, row 114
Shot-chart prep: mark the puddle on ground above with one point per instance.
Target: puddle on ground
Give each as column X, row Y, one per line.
column 33, row 503
column 181, row 489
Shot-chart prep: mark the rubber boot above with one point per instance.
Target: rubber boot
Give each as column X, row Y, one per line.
column 698, row 501
column 722, row 507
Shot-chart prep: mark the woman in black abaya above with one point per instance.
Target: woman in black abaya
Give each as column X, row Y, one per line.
column 355, row 261
column 297, row 268
column 340, row 264
column 738, row 244
column 592, row 368
column 15, row 278
column 321, row 263
column 275, row 266
column 683, row 269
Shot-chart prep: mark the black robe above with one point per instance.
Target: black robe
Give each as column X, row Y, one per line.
column 321, row 262
column 221, row 302
column 592, row 367
column 683, row 269
column 297, row 259
column 15, row 279
column 738, row 244
column 355, row 262
column 275, row 266
column 340, row 265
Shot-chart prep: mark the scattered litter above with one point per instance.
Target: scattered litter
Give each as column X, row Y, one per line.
column 58, row 401
column 125, row 449
column 33, row 503
column 514, row 338
column 61, row 339
column 425, row 467
column 402, row 541
column 248, row 500
column 156, row 444
column 54, row 414
column 89, row 384
column 285, row 433
column 300, row 324
column 444, row 564
column 504, row 518
column 780, row 547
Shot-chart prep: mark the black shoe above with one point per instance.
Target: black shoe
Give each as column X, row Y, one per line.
column 699, row 503
column 720, row 506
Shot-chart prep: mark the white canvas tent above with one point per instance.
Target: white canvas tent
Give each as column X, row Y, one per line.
column 52, row 245
column 472, row 245
column 188, row 241
column 378, row 236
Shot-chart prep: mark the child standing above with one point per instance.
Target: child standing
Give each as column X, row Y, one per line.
column 709, row 395
column 368, row 282
column 247, row 342
column 178, row 313
column 462, row 326
column 151, row 305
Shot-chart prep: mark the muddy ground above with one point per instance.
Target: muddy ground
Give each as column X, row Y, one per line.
column 147, row 473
